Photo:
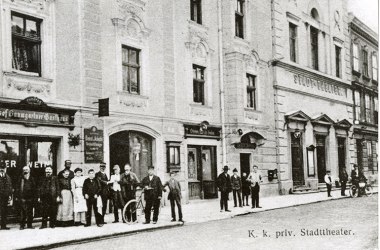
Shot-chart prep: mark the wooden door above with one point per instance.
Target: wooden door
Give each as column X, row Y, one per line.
column 297, row 160
column 321, row 157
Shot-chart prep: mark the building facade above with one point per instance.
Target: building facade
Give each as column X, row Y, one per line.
column 313, row 97
column 364, row 65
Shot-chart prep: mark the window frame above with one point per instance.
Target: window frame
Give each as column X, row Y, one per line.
column 129, row 65
column 368, row 107
column 239, row 18
column 314, row 46
column 251, row 92
column 338, row 61
column 358, row 105
column 196, row 17
column 355, row 57
column 293, row 42
column 176, row 165
column 375, row 110
column 365, row 62
column 199, row 84
column 375, row 67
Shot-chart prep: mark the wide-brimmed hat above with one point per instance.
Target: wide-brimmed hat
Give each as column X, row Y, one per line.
column 226, row 168
column 235, row 170
column 103, row 165
column 151, row 167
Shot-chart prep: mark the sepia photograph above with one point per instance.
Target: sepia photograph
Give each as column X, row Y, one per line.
column 189, row 124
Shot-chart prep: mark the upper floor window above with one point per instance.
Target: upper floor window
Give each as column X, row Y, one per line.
column 314, row 14
column 368, row 108
column 26, row 43
column 131, row 69
column 355, row 52
column 338, row 61
column 357, row 103
column 293, row 42
column 251, row 91
column 314, row 47
column 365, row 62
column 374, row 67
column 196, row 11
column 239, row 19
column 375, row 110
column 198, row 84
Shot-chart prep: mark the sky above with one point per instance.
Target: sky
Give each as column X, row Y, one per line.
column 367, row 11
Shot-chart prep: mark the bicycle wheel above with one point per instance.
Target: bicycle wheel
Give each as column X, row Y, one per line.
column 353, row 191
column 129, row 209
column 368, row 191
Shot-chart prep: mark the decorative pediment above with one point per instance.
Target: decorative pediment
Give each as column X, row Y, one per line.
column 343, row 124
column 251, row 60
column 197, row 42
column 322, row 120
column 37, row 5
column 250, row 140
column 299, row 116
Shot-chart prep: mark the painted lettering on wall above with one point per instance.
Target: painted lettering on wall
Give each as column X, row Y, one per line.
column 319, row 85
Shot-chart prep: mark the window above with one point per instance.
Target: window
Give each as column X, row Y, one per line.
column 131, row 70
column 355, row 51
column 358, row 116
column 338, row 61
column 26, row 43
column 293, row 42
column 314, row 47
column 368, row 104
column 365, row 62
column 251, row 91
column 239, row 19
column 198, row 84
column 370, row 156
column 196, row 11
column 374, row 67
column 376, row 110
column 173, row 156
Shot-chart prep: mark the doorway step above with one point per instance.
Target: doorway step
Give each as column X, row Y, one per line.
column 322, row 187
column 303, row 190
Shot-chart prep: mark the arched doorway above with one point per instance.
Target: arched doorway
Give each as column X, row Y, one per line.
column 131, row 147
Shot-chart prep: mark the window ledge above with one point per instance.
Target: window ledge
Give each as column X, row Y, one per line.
column 252, row 110
column 26, row 75
column 125, row 93
column 356, row 73
column 200, row 105
column 374, row 82
column 196, row 25
column 366, row 78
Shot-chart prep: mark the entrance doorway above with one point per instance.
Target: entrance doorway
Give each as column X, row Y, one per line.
column 297, row 159
column 202, row 172
column 321, row 157
column 341, row 153
column 245, row 164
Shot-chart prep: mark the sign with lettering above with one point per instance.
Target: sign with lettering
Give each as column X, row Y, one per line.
column 319, row 85
column 246, row 145
column 197, row 131
column 93, row 145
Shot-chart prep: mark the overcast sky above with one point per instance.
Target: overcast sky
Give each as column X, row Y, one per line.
column 366, row 11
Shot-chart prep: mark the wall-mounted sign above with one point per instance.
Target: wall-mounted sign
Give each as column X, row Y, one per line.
column 318, row 85
column 93, row 145
column 199, row 132
column 245, row 145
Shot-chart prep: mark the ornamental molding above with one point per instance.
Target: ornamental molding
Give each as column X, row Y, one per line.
column 198, row 42
column 37, row 5
column 27, row 87
column 132, row 101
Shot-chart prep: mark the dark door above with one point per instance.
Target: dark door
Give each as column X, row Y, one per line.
column 341, row 153
column 209, row 172
column 321, row 157
column 297, row 159
column 359, row 152
column 193, row 173
column 119, row 149
column 244, row 164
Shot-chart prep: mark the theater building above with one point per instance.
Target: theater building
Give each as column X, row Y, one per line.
column 313, row 96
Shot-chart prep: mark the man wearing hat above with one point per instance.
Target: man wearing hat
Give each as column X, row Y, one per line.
column 224, row 186
column 48, row 196
column 328, row 181
column 104, row 193
column 174, row 196
column 255, row 179
column 153, row 193
column 128, row 183
column 236, row 187
column 67, row 166
column 5, row 195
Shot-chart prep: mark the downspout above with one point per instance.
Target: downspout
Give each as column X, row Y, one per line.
column 221, row 82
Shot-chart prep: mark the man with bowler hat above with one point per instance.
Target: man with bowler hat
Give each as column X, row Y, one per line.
column 104, row 193
column 5, row 194
column 67, row 166
column 153, row 192
column 224, row 186
column 174, row 196
column 236, row 187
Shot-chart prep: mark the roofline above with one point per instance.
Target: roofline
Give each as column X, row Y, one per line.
column 358, row 24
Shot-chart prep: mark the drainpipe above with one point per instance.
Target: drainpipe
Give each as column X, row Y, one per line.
column 221, row 81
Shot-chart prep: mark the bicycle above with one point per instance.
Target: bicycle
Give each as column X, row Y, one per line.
column 364, row 188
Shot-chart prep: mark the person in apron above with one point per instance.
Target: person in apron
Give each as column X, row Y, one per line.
column 65, row 208
column 80, row 206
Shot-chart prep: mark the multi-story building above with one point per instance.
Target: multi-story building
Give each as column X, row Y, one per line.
column 364, row 65
column 313, row 97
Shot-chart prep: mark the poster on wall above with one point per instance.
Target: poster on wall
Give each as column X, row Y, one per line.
column 93, row 145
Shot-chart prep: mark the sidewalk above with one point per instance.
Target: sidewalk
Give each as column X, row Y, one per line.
column 194, row 212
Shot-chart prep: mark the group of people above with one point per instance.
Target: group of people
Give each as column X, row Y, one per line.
column 245, row 186
column 69, row 198
column 356, row 177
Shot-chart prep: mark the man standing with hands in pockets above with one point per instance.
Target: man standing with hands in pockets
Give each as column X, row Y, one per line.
column 153, row 193
column 174, row 196
column 255, row 179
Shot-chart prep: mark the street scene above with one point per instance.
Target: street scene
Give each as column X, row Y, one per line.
column 198, row 124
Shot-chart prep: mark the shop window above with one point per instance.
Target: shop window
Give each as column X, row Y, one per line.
column 374, row 67
column 26, row 43
column 365, row 62
column 355, row 51
column 293, row 42
column 131, row 70
column 239, row 19
column 173, row 156
column 198, row 84
column 357, row 103
column 196, row 11
column 251, row 91
column 314, row 47
column 368, row 108
column 338, row 61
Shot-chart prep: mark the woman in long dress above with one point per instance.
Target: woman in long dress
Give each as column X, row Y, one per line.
column 66, row 207
column 80, row 206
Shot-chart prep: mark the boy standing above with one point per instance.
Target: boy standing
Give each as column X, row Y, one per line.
column 236, row 186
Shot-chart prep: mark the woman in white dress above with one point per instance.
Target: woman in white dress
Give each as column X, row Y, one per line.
column 80, row 206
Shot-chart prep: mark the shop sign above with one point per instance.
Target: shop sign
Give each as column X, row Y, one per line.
column 319, row 85
column 197, row 131
column 93, row 145
column 246, row 145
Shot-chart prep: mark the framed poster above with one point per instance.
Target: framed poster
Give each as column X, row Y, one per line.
column 310, row 162
column 93, row 145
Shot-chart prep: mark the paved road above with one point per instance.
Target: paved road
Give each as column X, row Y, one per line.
column 353, row 221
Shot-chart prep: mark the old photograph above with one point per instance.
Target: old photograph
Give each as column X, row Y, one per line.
column 189, row 124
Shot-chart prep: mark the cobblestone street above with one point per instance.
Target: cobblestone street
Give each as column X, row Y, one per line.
column 288, row 228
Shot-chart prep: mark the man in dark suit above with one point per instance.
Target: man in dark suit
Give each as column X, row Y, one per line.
column 104, row 193
column 67, row 166
column 48, row 195
column 91, row 191
column 343, row 178
column 255, row 179
column 128, row 183
column 153, row 193
column 5, row 193
column 236, row 187
column 174, row 196
column 224, row 186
